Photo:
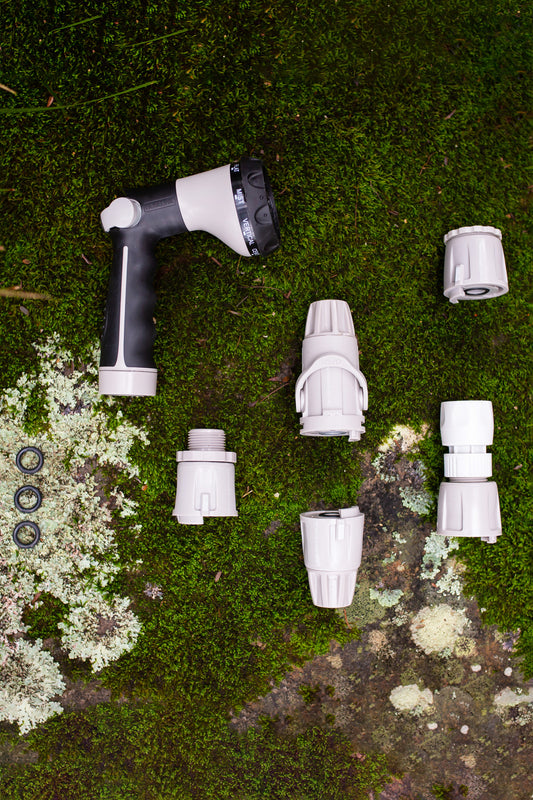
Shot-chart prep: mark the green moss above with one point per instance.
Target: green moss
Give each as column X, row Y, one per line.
column 382, row 127
column 449, row 792
column 364, row 609
column 309, row 693
column 44, row 618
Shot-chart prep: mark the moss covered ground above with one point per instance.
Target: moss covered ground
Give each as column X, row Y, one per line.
column 382, row 126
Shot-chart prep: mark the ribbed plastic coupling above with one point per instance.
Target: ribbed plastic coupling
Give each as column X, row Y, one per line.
column 331, row 392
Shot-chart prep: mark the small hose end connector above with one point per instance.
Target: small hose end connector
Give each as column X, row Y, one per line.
column 332, row 543
column 474, row 264
column 205, row 479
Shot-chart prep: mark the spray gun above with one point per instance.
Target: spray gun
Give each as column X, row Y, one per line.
column 234, row 203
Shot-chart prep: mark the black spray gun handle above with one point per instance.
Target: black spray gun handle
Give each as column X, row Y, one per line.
column 136, row 223
column 234, row 203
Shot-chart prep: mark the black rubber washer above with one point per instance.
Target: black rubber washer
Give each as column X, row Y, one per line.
column 329, row 514
column 40, row 461
column 26, row 524
column 38, row 499
column 477, row 291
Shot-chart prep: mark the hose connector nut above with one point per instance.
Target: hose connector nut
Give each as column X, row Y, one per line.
column 205, row 479
column 468, row 503
column 331, row 392
column 474, row 264
column 332, row 543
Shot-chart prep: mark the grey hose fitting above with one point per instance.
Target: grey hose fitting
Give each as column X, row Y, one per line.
column 468, row 503
column 331, row 392
column 474, row 264
column 332, row 543
column 205, row 479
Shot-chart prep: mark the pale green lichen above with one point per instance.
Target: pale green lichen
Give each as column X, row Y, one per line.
column 401, row 440
column 450, row 583
column 402, row 616
column 411, row 699
column 100, row 631
column 379, row 465
column 398, row 538
column 386, row 597
column 508, row 697
column 77, row 555
column 435, row 629
column 436, row 559
column 363, row 610
column 404, row 438
column 436, row 550
column 29, row 678
column 419, row 501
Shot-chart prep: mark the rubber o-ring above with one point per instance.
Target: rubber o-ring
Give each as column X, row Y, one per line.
column 32, row 470
column 26, row 524
column 32, row 490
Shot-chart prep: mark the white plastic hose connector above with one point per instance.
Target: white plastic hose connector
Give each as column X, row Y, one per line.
column 468, row 503
column 474, row 264
column 206, row 478
column 332, row 543
column 331, row 392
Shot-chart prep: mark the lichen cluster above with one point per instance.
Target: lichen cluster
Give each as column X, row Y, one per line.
column 436, row 559
column 76, row 557
column 402, row 440
column 410, row 698
column 435, row 629
column 386, row 597
column 29, row 679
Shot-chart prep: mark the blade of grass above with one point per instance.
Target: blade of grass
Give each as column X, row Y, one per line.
column 149, row 41
column 39, row 109
column 75, row 24
column 23, row 295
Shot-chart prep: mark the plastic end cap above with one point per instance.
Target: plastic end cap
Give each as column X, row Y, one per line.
column 121, row 213
column 135, row 383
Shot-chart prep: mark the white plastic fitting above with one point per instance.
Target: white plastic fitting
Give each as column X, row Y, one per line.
column 331, row 392
column 474, row 264
column 332, row 543
column 468, row 503
column 206, row 478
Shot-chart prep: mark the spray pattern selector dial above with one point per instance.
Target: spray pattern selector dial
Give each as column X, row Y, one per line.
column 121, row 213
